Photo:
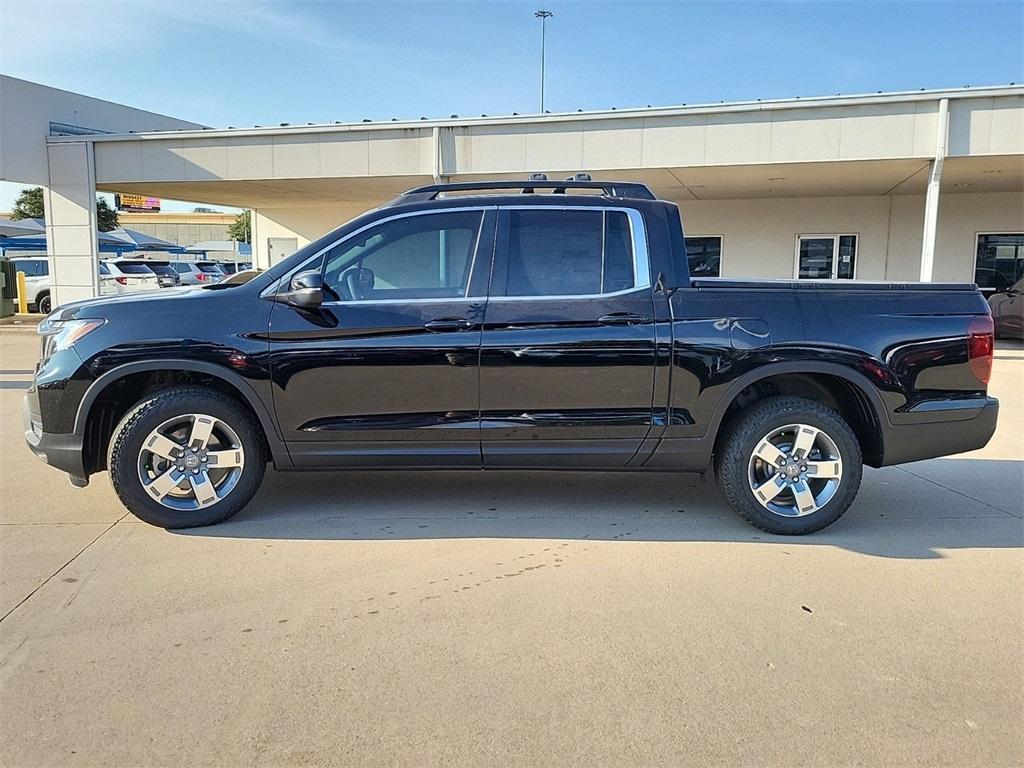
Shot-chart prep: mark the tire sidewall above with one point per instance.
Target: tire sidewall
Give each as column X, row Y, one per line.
column 761, row 421
column 128, row 438
column 44, row 304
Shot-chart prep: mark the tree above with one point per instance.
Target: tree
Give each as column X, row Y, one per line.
column 29, row 205
column 106, row 217
column 241, row 227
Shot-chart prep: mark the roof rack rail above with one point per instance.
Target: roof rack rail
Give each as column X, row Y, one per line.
column 628, row 189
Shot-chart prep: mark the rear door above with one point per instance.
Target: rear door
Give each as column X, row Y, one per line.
column 568, row 349
column 386, row 370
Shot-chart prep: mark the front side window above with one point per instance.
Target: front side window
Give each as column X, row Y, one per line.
column 428, row 256
column 557, row 252
column 826, row 257
column 999, row 262
column 704, row 256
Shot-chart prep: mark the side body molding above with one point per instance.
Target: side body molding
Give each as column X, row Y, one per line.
column 278, row 449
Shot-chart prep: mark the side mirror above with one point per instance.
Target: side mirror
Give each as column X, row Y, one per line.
column 306, row 290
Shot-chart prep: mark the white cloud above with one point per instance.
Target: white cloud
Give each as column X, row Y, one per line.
column 36, row 35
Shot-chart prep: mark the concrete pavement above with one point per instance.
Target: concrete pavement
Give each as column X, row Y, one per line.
column 514, row 619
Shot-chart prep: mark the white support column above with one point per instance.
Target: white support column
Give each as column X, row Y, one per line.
column 931, row 201
column 444, row 153
column 70, row 206
column 260, row 256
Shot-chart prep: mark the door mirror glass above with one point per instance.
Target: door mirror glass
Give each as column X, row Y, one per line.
column 305, row 290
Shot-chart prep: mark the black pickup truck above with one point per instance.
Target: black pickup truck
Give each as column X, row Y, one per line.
column 511, row 325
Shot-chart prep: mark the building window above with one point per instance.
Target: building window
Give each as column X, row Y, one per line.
column 826, row 257
column 1000, row 261
column 704, row 256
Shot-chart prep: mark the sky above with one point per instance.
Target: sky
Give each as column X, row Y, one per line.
column 223, row 63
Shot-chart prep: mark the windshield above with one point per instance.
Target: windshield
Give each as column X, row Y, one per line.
column 239, row 278
column 130, row 268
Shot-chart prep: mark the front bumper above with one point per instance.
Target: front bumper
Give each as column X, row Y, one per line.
column 58, row 450
column 940, row 437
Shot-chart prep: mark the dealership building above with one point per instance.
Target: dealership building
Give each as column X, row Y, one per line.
column 923, row 185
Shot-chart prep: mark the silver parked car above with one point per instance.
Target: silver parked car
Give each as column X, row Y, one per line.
column 198, row 272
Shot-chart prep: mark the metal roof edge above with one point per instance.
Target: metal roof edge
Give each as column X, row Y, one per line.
column 758, row 105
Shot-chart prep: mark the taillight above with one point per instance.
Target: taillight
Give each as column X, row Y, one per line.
column 980, row 345
column 122, row 280
column 201, row 277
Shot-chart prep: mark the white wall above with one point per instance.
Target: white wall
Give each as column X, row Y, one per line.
column 760, row 235
column 304, row 224
column 27, row 109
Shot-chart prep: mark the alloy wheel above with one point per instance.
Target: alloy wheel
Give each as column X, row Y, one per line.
column 191, row 461
column 795, row 470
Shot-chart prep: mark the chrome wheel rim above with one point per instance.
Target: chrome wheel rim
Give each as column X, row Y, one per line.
column 795, row 470
column 191, row 462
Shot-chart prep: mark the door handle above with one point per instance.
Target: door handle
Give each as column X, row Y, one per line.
column 622, row 318
column 448, row 325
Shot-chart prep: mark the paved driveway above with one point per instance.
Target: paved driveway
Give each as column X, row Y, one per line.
column 514, row 619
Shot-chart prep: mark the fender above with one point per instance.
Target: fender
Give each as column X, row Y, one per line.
column 278, row 449
column 858, row 380
column 694, row 453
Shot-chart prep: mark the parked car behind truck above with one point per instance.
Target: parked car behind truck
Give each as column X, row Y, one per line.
column 449, row 329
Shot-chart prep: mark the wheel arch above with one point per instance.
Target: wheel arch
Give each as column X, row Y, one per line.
column 870, row 423
column 229, row 381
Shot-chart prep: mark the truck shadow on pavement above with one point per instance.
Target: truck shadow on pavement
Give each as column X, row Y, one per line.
column 897, row 514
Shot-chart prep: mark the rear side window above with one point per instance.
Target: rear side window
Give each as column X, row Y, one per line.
column 32, row 267
column 181, row 268
column 561, row 252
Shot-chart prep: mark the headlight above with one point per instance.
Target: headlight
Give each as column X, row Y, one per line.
column 61, row 334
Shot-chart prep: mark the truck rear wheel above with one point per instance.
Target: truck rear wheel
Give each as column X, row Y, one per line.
column 789, row 465
column 186, row 457
column 43, row 302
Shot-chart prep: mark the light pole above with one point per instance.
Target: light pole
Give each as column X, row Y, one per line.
column 543, row 16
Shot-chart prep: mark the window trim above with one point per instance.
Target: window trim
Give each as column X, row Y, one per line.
column 641, row 255
column 835, row 253
column 974, row 266
column 721, row 254
column 275, row 287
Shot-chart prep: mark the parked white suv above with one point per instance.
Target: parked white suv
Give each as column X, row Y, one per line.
column 129, row 275
column 37, row 281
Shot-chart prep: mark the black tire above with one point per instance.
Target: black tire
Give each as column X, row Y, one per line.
column 126, row 445
column 746, row 432
column 44, row 303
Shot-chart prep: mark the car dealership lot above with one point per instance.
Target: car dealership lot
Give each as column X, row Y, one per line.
column 514, row 619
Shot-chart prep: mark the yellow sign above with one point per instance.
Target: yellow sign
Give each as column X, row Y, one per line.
column 136, row 203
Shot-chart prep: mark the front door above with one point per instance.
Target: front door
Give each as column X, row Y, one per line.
column 385, row 371
column 568, row 350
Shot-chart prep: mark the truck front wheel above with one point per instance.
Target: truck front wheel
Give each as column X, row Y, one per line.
column 789, row 465
column 186, row 457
